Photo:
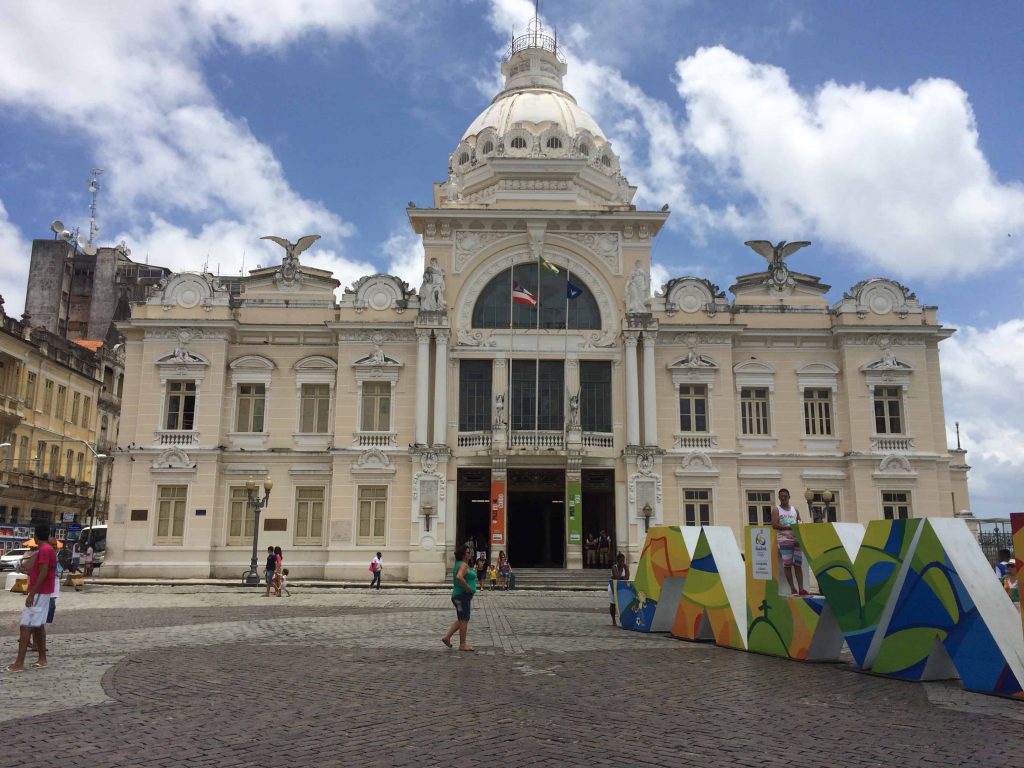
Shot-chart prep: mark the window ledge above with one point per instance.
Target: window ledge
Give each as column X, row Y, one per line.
column 248, row 439
column 821, row 444
column 318, row 441
column 758, row 442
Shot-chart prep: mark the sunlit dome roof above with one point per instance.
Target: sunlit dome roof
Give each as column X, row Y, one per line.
column 535, row 108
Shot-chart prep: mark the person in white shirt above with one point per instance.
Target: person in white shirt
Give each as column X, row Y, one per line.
column 376, row 565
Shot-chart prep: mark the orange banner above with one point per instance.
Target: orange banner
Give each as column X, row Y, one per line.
column 497, row 513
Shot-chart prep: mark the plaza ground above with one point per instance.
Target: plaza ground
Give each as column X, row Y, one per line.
column 213, row 676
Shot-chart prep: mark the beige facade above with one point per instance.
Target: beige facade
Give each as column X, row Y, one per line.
column 404, row 421
column 58, row 410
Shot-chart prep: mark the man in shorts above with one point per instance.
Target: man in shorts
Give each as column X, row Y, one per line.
column 41, row 579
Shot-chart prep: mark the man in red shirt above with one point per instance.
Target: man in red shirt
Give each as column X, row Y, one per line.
column 37, row 602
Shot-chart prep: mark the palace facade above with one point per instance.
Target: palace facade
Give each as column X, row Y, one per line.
column 531, row 393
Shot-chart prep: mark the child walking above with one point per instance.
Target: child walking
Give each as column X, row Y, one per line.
column 284, row 583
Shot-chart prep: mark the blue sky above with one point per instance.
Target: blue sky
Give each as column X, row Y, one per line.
column 888, row 134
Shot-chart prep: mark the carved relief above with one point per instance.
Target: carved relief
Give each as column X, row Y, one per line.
column 377, row 292
column 605, row 245
column 469, row 243
column 173, row 458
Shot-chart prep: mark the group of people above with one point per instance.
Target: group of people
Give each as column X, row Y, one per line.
column 498, row 575
column 597, row 550
column 276, row 574
column 1007, row 571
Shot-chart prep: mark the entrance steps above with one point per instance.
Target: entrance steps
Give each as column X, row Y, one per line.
column 561, row 578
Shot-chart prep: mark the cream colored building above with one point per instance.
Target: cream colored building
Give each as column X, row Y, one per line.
column 404, row 421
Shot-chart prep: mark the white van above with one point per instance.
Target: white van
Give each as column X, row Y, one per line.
column 97, row 537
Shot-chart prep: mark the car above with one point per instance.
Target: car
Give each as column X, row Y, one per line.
column 12, row 560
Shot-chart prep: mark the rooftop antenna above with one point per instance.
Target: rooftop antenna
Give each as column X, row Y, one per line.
column 94, row 188
column 958, row 435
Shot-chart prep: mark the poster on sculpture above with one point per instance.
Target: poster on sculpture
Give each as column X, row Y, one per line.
column 761, row 553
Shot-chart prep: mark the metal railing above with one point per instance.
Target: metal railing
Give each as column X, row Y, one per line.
column 535, row 40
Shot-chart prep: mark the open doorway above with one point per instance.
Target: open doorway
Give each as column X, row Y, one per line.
column 599, row 515
column 536, row 518
column 473, row 506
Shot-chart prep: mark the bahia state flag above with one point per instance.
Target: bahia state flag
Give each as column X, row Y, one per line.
column 522, row 296
column 548, row 265
column 572, row 291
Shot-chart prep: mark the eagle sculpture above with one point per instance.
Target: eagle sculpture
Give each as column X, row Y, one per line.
column 293, row 249
column 776, row 254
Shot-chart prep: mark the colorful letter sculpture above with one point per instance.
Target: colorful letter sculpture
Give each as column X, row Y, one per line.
column 779, row 623
column 648, row 603
column 913, row 599
column 711, row 606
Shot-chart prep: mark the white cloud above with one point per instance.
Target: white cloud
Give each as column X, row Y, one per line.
column 896, row 177
column 171, row 153
column 405, row 257
column 14, row 250
column 982, row 377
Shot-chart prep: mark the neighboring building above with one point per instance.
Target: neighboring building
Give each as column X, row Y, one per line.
column 55, row 414
column 405, row 423
column 78, row 295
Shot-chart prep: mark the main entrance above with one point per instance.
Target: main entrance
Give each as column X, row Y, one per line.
column 536, row 518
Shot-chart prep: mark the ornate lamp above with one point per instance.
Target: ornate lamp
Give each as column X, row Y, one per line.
column 647, row 513
column 251, row 578
column 428, row 511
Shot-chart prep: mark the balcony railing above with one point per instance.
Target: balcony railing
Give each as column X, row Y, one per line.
column 474, row 440
column 375, row 439
column 537, row 439
column 176, row 437
column 598, row 440
column 58, row 485
column 892, row 444
column 694, row 442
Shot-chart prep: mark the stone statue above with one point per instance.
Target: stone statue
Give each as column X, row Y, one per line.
column 499, row 410
column 638, row 290
column 290, row 264
column 775, row 255
column 432, row 289
column 574, row 411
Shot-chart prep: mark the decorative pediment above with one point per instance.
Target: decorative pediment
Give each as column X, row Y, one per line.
column 754, row 373
column 377, row 292
column 817, row 374
column 878, row 296
column 694, row 360
column 375, row 359
column 692, row 294
column 252, row 363
column 696, row 463
column 895, row 467
column 888, row 362
column 173, row 459
column 189, row 290
column 315, row 363
column 373, row 461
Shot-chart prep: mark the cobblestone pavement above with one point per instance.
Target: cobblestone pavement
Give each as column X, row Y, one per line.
column 223, row 677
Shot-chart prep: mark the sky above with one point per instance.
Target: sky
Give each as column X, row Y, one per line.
column 888, row 134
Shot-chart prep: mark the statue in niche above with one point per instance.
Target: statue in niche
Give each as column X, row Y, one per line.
column 499, row 410
column 638, row 290
column 432, row 288
column 574, row 411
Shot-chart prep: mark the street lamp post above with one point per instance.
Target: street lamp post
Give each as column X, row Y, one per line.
column 819, row 512
column 251, row 578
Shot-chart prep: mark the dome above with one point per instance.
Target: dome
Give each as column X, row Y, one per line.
column 535, row 108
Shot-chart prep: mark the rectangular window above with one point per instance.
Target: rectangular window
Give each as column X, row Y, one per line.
column 373, row 503
column 537, row 395
column 252, row 400
column 86, row 410
column 62, row 401
column 754, row 409
column 40, row 458
column 24, row 459
column 596, row 395
column 822, row 512
column 759, row 507
column 376, row 406
column 888, row 419
column 696, row 507
column 81, row 467
column 54, row 470
column 48, row 396
column 30, row 391
column 69, row 464
column 170, row 518
column 475, row 395
column 76, row 407
column 817, row 412
column 693, row 408
column 240, row 517
column 315, row 408
column 309, row 516
column 896, row 505
column 181, row 405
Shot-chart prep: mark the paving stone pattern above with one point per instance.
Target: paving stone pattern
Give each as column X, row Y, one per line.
column 208, row 677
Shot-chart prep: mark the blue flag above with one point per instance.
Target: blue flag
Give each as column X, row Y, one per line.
column 572, row 291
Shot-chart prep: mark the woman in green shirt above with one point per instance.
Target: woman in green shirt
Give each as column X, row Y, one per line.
column 464, row 587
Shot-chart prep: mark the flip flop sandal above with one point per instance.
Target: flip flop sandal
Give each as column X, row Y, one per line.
column 37, row 665
column 446, row 642
column 8, row 668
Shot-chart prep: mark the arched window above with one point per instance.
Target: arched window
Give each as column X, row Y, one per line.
column 585, row 150
column 606, row 161
column 464, row 158
column 495, row 301
column 488, row 147
column 518, row 143
column 554, row 143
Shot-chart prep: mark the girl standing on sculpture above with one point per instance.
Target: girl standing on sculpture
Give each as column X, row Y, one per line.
column 784, row 517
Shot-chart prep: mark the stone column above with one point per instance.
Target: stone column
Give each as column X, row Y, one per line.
column 632, row 392
column 650, row 395
column 440, row 387
column 422, row 384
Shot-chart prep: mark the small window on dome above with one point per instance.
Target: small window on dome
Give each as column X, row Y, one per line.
column 488, row 147
column 606, row 161
column 464, row 158
column 518, row 143
column 554, row 143
column 585, row 150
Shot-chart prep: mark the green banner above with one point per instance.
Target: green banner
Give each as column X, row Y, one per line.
column 574, row 494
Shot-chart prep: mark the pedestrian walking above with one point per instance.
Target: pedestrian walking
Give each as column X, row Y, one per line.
column 89, row 554
column 278, row 570
column 41, row 577
column 76, row 557
column 463, row 588
column 504, row 570
column 376, row 566
column 620, row 572
column 271, row 567
column 284, row 582
column 1010, row 582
